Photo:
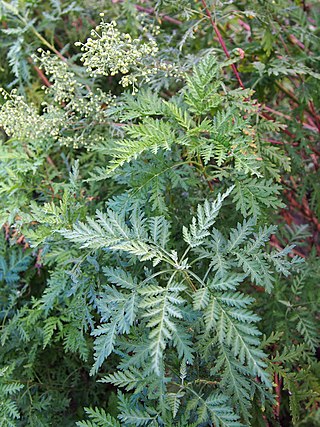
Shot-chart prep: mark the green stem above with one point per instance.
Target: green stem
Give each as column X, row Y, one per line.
column 46, row 43
column 41, row 38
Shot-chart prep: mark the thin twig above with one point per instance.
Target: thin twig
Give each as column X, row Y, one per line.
column 221, row 41
column 151, row 11
column 40, row 73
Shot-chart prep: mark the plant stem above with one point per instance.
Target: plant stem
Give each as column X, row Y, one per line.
column 221, row 41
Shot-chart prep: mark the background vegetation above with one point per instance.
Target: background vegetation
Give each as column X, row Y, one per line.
column 159, row 204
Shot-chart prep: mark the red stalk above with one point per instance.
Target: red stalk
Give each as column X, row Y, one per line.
column 221, row 41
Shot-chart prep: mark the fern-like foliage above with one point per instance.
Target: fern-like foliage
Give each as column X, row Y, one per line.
column 9, row 412
column 12, row 266
column 136, row 272
column 98, row 418
column 167, row 312
column 211, row 130
column 14, row 262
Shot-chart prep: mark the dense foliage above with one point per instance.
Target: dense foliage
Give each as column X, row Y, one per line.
column 159, row 212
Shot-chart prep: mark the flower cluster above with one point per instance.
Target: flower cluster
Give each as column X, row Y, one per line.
column 85, row 140
column 109, row 52
column 73, row 110
column 76, row 127
column 22, row 121
column 66, row 89
column 64, row 83
column 83, row 109
column 113, row 52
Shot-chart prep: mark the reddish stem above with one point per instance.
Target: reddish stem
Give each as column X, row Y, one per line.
column 151, row 11
column 244, row 25
column 315, row 114
column 42, row 76
column 277, row 381
column 221, row 41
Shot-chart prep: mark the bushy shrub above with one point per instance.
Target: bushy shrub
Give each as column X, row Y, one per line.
column 159, row 202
